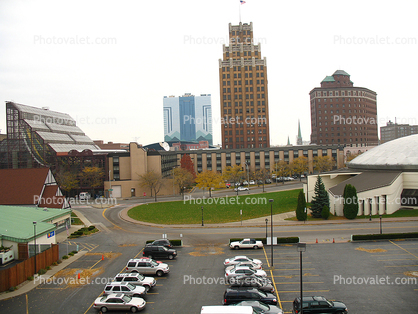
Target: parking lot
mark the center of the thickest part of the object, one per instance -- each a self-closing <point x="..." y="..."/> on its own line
<point x="377" y="276"/>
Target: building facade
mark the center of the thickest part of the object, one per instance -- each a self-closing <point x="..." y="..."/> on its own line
<point x="393" y="131"/>
<point x="243" y="91"/>
<point x="342" y="113"/>
<point x="188" y="118"/>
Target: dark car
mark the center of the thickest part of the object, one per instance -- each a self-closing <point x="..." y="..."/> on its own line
<point x="158" y="251"/>
<point x="162" y="242"/>
<point x="319" y="305"/>
<point x="238" y="294"/>
<point x="258" y="282"/>
<point x="261" y="307"/>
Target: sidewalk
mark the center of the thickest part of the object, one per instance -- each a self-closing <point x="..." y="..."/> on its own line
<point x="27" y="286"/>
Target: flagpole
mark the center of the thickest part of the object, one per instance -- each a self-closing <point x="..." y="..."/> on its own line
<point x="240" y="12"/>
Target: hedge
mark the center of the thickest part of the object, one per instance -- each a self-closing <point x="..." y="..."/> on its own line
<point x="387" y="236"/>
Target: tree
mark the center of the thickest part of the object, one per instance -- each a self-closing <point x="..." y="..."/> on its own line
<point x="187" y="163"/>
<point x="350" y="208"/>
<point x="208" y="179"/>
<point x="320" y="199"/>
<point x="282" y="169"/>
<point x="350" y="157"/>
<point x="300" y="166"/>
<point x="325" y="212"/>
<point x="301" y="215"/>
<point x="262" y="175"/>
<point x="323" y="163"/>
<point x="233" y="174"/>
<point x="67" y="181"/>
<point x="92" y="177"/>
<point x="153" y="181"/>
<point x="182" y="178"/>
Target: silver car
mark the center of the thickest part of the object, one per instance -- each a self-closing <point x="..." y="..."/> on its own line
<point x="125" y="288"/>
<point x="241" y="258"/>
<point x="246" y="263"/>
<point x="118" y="301"/>
<point x="136" y="279"/>
<point x="243" y="271"/>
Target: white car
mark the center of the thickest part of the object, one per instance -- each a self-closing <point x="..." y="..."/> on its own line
<point x="246" y="263"/>
<point x="241" y="258"/>
<point x="118" y="301"/>
<point x="241" y="188"/>
<point x="252" y="182"/>
<point x="246" y="244"/>
<point x="243" y="271"/>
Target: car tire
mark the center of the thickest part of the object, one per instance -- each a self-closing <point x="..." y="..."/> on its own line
<point x="236" y="247"/>
<point x="147" y="287"/>
<point x="160" y="273"/>
<point x="170" y="256"/>
<point x="134" y="309"/>
<point x="103" y="309"/>
<point x="255" y="247"/>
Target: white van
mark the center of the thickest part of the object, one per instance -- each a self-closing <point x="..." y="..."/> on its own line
<point x="223" y="309"/>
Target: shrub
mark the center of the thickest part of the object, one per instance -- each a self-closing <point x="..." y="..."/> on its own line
<point x="325" y="212"/>
<point x="91" y="227"/>
<point x="65" y="257"/>
<point x="30" y="278"/>
<point x="176" y="242"/>
<point x="48" y="267"/>
<point x="42" y="271"/>
<point x="54" y="264"/>
<point x="71" y="254"/>
<point x="74" y="252"/>
<point x="350" y="208"/>
<point x="386" y="236"/>
<point x="301" y="215"/>
<point x="59" y="261"/>
<point x="12" y="289"/>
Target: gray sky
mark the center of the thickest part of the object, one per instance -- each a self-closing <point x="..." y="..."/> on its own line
<point x="109" y="64"/>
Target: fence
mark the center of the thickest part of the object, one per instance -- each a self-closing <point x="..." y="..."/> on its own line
<point x="13" y="276"/>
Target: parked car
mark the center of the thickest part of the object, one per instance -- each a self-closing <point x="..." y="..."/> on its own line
<point x="252" y="182"/>
<point x="261" y="307"/>
<point x="245" y="263"/>
<point x="268" y="181"/>
<point x="258" y="282"/>
<point x="136" y="279"/>
<point x="241" y="258"/>
<point x="158" y="251"/>
<point x="245" y="183"/>
<point x="246" y="244"/>
<point x="319" y="305"/>
<point x="118" y="301"/>
<point x="162" y="242"/>
<point x="243" y="271"/>
<point x="147" y="266"/>
<point x="241" y="188"/>
<point x="125" y="288"/>
<point x="84" y="196"/>
<point x="236" y="295"/>
<point x="220" y="309"/>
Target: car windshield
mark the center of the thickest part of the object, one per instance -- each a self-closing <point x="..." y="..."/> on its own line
<point x="126" y="298"/>
<point x="130" y="286"/>
<point x="141" y="277"/>
<point x="263" y="307"/>
<point x="262" y="293"/>
<point x="165" y="249"/>
<point x="154" y="263"/>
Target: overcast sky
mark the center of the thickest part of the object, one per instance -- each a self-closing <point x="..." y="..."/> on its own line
<point x="108" y="64"/>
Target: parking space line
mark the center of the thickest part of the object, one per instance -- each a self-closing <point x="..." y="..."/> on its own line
<point x="402" y="266"/>
<point x="395" y="259"/>
<point x="272" y="279"/>
<point x="294" y="269"/>
<point x="310" y="291"/>
<point x="403" y="249"/>
<point x="298" y="283"/>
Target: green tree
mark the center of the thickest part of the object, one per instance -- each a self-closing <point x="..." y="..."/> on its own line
<point x="208" y="179"/>
<point x="301" y="215"/>
<point x="325" y="212"/>
<point x="67" y="181"/>
<point x="320" y="199"/>
<point x="92" y="177"/>
<point x="350" y="208"/>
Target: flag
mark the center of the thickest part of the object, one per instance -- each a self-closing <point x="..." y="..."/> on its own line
<point x="242" y="1"/>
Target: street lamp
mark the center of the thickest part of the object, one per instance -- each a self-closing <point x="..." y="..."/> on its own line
<point x="202" y="216"/>
<point x="266" y="228"/>
<point x="380" y="216"/>
<point x="34" y="239"/>
<point x="301" y="248"/>
<point x="271" y="231"/>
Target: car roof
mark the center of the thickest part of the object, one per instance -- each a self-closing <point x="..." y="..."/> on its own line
<point x="231" y="289"/>
<point x="117" y="283"/>
<point x="113" y="295"/>
<point x="127" y="274"/>
<point x="140" y="259"/>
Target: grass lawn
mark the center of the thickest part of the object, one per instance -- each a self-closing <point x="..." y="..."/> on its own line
<point x="75" y="220"/>
<point x="216" y="210"/>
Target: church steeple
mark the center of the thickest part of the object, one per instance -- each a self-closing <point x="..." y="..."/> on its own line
<point x="299" y="140"/>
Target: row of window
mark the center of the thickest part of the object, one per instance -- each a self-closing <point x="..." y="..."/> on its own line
<point x="248" y="103"/>
<point x="238" y="54"/>
<point x="246" y="68"/>
<point x="239" y="89"/>
<point x="343" y="93"/>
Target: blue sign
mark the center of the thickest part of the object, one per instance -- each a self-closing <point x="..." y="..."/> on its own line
<point x="50" y="234"/>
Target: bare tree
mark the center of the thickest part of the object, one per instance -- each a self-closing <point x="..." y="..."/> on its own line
<point x="153" y="181"/>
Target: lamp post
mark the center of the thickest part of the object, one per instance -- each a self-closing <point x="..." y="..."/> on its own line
<point x="34" y="240"/>
<point x="301" y="248"/>
<point x="271" y="231"/>
<point x="380" y="216"/>
<point x="202" y="217"/>
<point x="266" y="228"/>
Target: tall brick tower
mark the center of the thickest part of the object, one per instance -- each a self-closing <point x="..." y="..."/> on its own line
<point x="243" y="90"/>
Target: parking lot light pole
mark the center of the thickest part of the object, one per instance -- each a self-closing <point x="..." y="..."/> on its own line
<point x="266" y="228"/>
<point x="301" y="248"/>
<point x="202" y="216"/>
<point x="34" y="240"/>
<point x="380" y="216"/>
<point x="271" y="231"/>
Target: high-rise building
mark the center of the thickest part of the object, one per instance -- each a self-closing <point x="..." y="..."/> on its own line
<point x="188" y="118"/>
<point x="243" y="90"/>
<point x="342" y="113"/>
<point x="394" y="130"/>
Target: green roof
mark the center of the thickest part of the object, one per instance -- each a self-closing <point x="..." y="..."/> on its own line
<point x="16" y="222"/>
<point x="328" y="79"/>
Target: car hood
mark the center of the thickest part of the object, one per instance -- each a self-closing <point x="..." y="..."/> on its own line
<point x="339" y="304"/>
